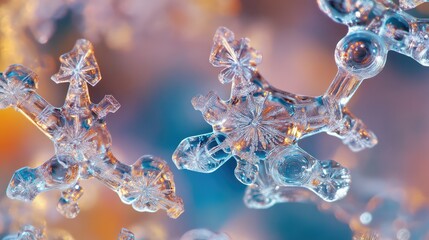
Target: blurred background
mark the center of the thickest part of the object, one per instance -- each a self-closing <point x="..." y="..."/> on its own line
<point x="153" y="57"/>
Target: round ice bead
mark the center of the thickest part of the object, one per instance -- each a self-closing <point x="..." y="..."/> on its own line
<point x="361" y="53"/>
<point x="291" y="169"/>
<point x="60" y="169"/>
<point x="339" y="10"/>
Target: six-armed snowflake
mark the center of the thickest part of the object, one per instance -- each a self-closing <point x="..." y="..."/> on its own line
<point x="260" y="126"/>
<point x="82" y="141"/>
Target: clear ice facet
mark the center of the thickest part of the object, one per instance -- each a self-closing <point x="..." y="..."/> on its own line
<point x="376" y="27"/>
<point x="203" y="153"/>
<point x="150" y="187"/>
<point x="16" y="84"/>
<point x="79" y="65"/>
<point x="235" y="56"/>
<point x="260" y="125"/>
<point x="82" y="141"/>
<point x="25" y="185"/>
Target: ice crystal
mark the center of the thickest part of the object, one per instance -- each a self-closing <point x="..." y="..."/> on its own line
<point x="260" y="126"/>
<point x="375" y="28"/>
<point x="82" y="141"/>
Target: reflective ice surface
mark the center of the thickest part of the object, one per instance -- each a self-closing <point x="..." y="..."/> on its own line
<point x="381" y="26"/>
<point x="259" y="126"/>
<point x="82" y="141"/>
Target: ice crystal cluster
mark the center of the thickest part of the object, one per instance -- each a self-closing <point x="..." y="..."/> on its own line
<point x="195" y="234"/>
<point x="260" y="126"/>
<point x="82" y="141"/>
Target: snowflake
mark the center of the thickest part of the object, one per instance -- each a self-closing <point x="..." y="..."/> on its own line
<point x="238" y="59"/>
<point x="82" y="141"/>
<point x="259" y="126"/>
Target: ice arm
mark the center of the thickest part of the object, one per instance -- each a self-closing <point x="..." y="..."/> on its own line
<point x="47" y="118"/>
<point x="343" y="87"/>
<point x="359" y="55"/>
<point x="264" y="193"/>
<point x="353" y="132"/>
<point x="59" y="172"/>
<point x="147" y="185"/>
<point x="211" y="106"/>
<point x="203" y="153"/>
<point x="287" y="176"/>
<point x="329" y="116"/>
<point x="78" y="67"/>
<point x="107" y="105"/>
<point x="17" y="89"/>
<point x="316" y="114"/>
<point x="293" y="167"/>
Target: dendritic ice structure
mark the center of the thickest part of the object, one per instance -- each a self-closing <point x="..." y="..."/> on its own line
<point x="194" y="234"/>
<point x="82" y="141"/>
<point x="376" y="27"/>
<point x="259" y="126"/>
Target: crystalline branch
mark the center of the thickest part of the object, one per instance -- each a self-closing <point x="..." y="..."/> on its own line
<point x="82" y="141"/>
<point x="376" y="27"/>
<point x="259" y="126"/>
